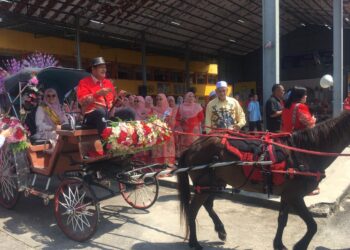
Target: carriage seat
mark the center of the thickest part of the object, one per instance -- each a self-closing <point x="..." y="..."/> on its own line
<point x="38" y="141"/>
<point x="39" y="145"/>
<point x="77" y="127"/>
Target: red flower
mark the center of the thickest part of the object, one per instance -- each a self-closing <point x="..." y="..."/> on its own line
<point x="166" y="137"/>
<point x="147" y="129"/>
<point x="106" y="133"/>
<point x="159" y="139"/>
<point x="109" y="146"/>
<point x="6" y="120"/>
<point x="18" y="134"/>
<point x="134" y="138"/>
<point x="122" y="137"/>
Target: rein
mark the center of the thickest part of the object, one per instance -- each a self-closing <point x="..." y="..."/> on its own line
<point x="268" y="141"/>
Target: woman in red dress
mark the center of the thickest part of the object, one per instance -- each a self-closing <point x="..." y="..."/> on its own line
<point x="346" y="105"/>
<point x="188" y="119"/>
<point x="296" y="114"/>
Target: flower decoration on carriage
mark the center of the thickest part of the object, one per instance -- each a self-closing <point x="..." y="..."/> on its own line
<point x="40" y="60"/>
<point x="131" y="137"/>
<point x="31" y="94"/>
<point x="14" y="132"/>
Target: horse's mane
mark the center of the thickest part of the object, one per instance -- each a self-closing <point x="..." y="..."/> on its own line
<point x="331" y="135"/>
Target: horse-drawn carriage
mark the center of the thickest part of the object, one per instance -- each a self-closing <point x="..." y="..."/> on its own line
<point x="32" y="171"/>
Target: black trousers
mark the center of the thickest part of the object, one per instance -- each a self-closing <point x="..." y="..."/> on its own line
<point x="253" y="125"/>
<point x="97" y="119"/>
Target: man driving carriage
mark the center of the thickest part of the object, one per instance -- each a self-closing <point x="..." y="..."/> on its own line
<point x="96" y="95"/>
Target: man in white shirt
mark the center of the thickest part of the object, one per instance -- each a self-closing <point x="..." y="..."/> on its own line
<point x="223" y="111"/>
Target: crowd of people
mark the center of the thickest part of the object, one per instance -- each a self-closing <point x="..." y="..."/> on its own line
<point x="98" y="102"/>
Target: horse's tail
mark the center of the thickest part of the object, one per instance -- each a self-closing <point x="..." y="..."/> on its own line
<point x="183" y="187"/>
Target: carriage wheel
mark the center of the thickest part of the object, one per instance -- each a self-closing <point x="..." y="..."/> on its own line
<point x="138" y="193"/>
<point x="76" y="209"/>
<point x="9" y="193"/>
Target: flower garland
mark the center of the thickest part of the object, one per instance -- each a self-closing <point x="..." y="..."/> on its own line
<point x="14" y="132"/>
<point x="132" y="137"/>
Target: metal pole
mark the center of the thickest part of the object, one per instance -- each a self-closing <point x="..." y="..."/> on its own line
<point x="77" y="42"/>
<point x="221" y="67"/>
<point x="187" y="68"/>
<point x="338" y="57"/>
<point x="143" y="60"/>
<point x="271" y="46"/>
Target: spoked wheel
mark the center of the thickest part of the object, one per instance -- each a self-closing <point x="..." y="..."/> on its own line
<point x="9" y="193"/>
<point x="140" y="193"/>
<point x="76" y="209"/>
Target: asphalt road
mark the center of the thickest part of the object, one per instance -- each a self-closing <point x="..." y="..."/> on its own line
<point x="31" y="225"/>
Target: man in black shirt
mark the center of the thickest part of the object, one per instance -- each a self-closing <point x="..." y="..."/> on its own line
<point x="274" y="106"/>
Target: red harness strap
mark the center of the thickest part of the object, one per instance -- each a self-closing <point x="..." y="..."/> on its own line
<point x="230" y="148"/>
<point x="198" y="189"/>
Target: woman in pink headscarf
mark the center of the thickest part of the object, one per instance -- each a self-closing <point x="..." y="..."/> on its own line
<point x="149" y="104"/>
<point x="172" y="105"/>
<point x="139" y="107"/>
<point x="164" y="153"/>
<point x="188" y="119"/>
<point x="49" y="117"/>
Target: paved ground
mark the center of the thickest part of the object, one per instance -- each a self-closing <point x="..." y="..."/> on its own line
<point x="250" y="226"/>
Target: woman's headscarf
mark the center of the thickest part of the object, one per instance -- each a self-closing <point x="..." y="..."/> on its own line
<point x="131" y="101"/>
<point x="189" y="108"/>
<point x="56" y="106"/>
<point x="179" y="100"/>
<point x="149" y="104"/>
<point x="140" y="109"/>
<point x="161" y="106"/>
<point x="171" y="98"/>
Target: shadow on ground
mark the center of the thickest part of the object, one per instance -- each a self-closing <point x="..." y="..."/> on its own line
<point x="179" y="245"/>
<point x="34" y="224"/>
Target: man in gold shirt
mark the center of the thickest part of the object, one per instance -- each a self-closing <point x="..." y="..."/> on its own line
<point x="224" y="111"/>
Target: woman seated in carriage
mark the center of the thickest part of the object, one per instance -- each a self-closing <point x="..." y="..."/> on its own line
<point x="49" y="117"/>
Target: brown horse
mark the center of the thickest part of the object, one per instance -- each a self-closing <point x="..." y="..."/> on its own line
<point x="330" y="136"/>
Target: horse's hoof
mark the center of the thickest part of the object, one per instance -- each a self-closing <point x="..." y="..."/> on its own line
<point x="222" y="236"/>
<point x="299" y="247"/>
<point x="282" y="247"/>
<point x="195" y="245"/>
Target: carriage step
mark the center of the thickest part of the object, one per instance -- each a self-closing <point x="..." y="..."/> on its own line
<point x="44" y="195"/>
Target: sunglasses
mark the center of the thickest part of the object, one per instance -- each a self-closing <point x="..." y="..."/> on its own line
<point x="49" y="96"/>
<point x="136" y="101"/>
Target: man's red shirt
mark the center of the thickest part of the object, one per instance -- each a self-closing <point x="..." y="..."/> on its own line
<point x="88" y="86"/>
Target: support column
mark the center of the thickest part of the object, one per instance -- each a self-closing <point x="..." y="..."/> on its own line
<point x="187" y="68"/>
<point x="221" y="68"/>
<point x="77" y="42"/>
<point x="338" y="87"/>
<point x="143" y="61"/>
<point x="270" y="46"/>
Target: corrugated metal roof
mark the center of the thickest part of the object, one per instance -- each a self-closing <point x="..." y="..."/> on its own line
<point x="207" y="26"/>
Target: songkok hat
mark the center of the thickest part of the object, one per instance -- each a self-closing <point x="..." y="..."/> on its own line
<point x="221" y="84"/>
<point x="97" y="61"/>
<point x="213" y="93"/>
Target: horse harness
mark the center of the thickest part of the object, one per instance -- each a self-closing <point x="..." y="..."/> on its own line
<point x="257" y="150"/>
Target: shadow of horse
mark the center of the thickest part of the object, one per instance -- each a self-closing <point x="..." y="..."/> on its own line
<point x="178" y="245"/>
